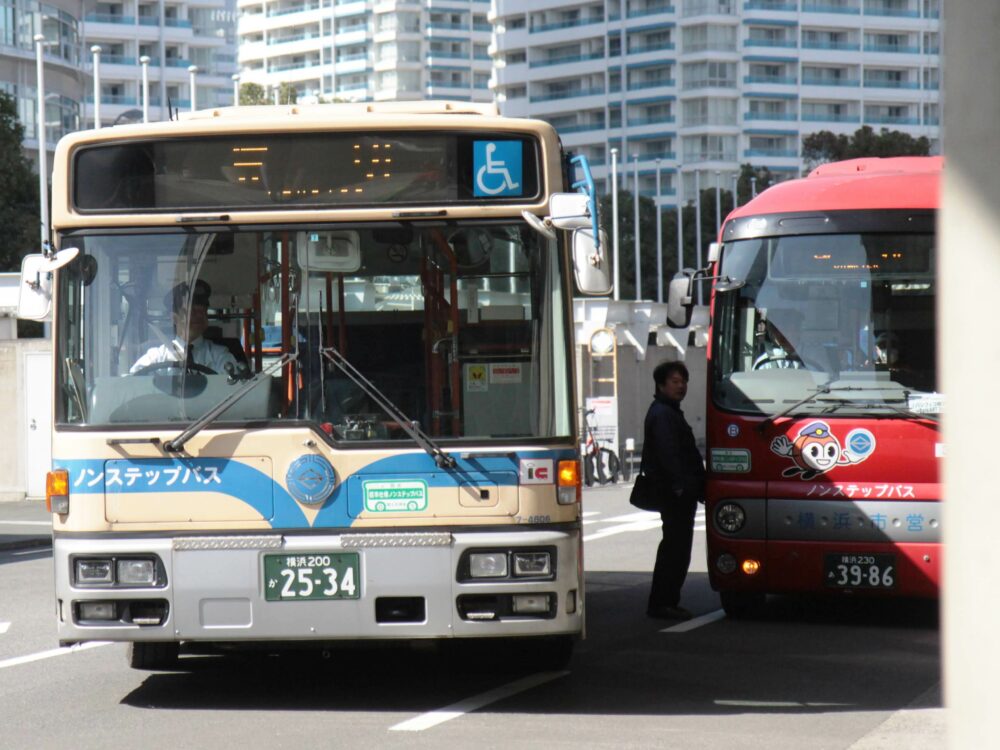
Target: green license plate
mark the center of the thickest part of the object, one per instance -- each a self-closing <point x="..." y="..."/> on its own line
<point x="311" y="575"/>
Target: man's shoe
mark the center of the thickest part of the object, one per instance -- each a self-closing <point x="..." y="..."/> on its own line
<point x="669" y="613"/>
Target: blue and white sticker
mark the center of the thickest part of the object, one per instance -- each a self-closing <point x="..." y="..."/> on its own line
<point x="310" y="479"/>
<point x="860" y="442"/>
<point x="497" y="168"/>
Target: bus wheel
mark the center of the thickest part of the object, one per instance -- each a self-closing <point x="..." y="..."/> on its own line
<point x="153" y="654"/>
<point x="740" y="605"/>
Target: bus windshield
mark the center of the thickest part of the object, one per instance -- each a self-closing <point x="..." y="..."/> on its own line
<point x="462" y="327"/>
<point x="843" y="323"/>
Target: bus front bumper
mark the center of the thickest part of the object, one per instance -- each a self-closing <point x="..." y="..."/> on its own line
<point x="285" y="587"/>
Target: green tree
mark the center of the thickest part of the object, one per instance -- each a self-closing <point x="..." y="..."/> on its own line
<point x="19" y="213"/>
<point x="287" y="94"/>
<point x="252" y="94"/>
<point x="824" y="146"/>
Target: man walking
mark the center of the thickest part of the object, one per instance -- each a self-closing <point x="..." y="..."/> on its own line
<point x="676" y="473"/>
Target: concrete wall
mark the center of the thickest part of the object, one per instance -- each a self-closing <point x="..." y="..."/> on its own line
<point x="13" y="458"/>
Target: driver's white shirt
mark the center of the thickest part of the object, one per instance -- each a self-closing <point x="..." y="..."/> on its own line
<point x="207" y="353"/>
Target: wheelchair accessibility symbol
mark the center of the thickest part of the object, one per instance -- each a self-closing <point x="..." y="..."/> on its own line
<point x="498" y="168"/>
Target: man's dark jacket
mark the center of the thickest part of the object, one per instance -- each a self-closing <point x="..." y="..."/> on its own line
<point x="670" y="457"/>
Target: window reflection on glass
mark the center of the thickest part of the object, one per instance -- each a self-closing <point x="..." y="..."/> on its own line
<point x="854" y="312"/>
<point x="463" y="328"/>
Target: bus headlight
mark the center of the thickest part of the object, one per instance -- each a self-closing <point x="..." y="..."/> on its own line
<point x="730" y="517"/>
<point x="488" y="565"/>
<point x="532" y="564"/>
<point x="136" y="572"/>
<point x="93" y="571"/>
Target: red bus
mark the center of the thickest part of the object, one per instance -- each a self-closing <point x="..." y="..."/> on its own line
<point x="822" y="426"/>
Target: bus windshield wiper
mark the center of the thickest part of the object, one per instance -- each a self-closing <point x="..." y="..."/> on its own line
<point x="175" y="445"/>
<point x="823" y="389"/>
<point x="828" y="388"/>
<point x="410" y="427"/>
<point x="870" y="404"/>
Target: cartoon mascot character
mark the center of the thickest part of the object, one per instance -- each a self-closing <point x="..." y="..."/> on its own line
<point x="815" y="451"/>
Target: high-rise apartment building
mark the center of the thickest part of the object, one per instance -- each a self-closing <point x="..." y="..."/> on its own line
<point x="705" y="86"/>
<point x="365" y="50"/>
<point x="173" y="35"/>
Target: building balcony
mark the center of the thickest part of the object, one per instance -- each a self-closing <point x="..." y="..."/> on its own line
<point x="565" y="59"/>
<point x="570" y="94"/>
<point x="775" y="153"/>
<point x="811" y="7"/>
<point x="892" y="120"/>
<point x="901" y="49"/>
<point x="830" y="117"/>
<point x="813" y="81"/>
<point x="770" y="116"/>
<point x="542" y="28"/>
<point x="110" y="18"/>
<point x="771" y="80"/>
<point x="831" y="46"/>
<point x="890" y="84"/>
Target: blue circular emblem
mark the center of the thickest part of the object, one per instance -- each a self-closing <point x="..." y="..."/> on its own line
<point x="733" y="430"/>
<point x="860" y="442"/>
<point x="310" y="479"/>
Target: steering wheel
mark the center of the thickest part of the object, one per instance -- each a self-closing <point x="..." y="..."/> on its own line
<point x="771" y="362"/>
<point x="189" y="366"/>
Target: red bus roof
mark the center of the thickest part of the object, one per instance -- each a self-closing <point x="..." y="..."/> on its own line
<point x="871" y="183"/>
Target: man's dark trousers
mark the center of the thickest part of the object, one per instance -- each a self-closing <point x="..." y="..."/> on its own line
<point x="673" y="556"/>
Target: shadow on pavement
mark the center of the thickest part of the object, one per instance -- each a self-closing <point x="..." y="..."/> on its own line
<point x="800" y="655"/>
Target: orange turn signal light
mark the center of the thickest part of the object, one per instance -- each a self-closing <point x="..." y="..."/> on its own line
<point x="569" y="473"/>
<point x="57" y="491"/>
<point x="751" y="566"/>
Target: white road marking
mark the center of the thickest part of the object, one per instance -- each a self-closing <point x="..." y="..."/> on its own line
<point x="635" y="526"/>
<point x="17" y="660"/>
<point x="4" y="626"/>
<point x="441" y="715"/>
<point x="695" y="622"/>
<point x="778" y="704"/>
<point x="25" y="523"/>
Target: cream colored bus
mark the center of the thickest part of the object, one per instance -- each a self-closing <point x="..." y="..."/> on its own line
<point x="314" y="378"/>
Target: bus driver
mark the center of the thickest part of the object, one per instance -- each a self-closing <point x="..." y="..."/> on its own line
<point x="189" y="327"/>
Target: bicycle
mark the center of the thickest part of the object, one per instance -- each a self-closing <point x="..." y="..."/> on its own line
<point x="599" y="464"/>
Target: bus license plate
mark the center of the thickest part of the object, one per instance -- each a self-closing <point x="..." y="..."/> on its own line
<point x="860" y="571"/>
<point x="311" y="575"/>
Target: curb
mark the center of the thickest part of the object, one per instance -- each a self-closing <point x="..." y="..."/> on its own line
<point x="29" y="543"/>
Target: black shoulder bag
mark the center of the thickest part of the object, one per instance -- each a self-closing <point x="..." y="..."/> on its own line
<point x="644" y="495"/>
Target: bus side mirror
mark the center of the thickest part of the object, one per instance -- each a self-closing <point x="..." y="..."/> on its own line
<point x="35" y="299"/>
<point x="590" y="263"/>
<point x="679" y="301"/>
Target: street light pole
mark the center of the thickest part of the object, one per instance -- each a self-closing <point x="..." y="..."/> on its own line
<point x="43" y="157"/>
<point x="753" y="187"/>
<point x="680" y="221"/>
<point x="736" y="185"/>
<point x="659" y="238"/>
<point x="614" y="217"/>
<point x="96" y="49"/>
<point x="697" y="225"/>
<point x="144" y="60"/>
<point x="192" y="71"/>
<point x="236" y="89"/>
<point x="718" y="202"/>
<point x="635" y="212"/>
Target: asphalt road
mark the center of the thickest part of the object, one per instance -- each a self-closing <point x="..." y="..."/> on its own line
<point x="835" y="675"/>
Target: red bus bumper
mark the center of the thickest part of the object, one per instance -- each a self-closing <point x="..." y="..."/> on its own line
<point x="895" y="569"/>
